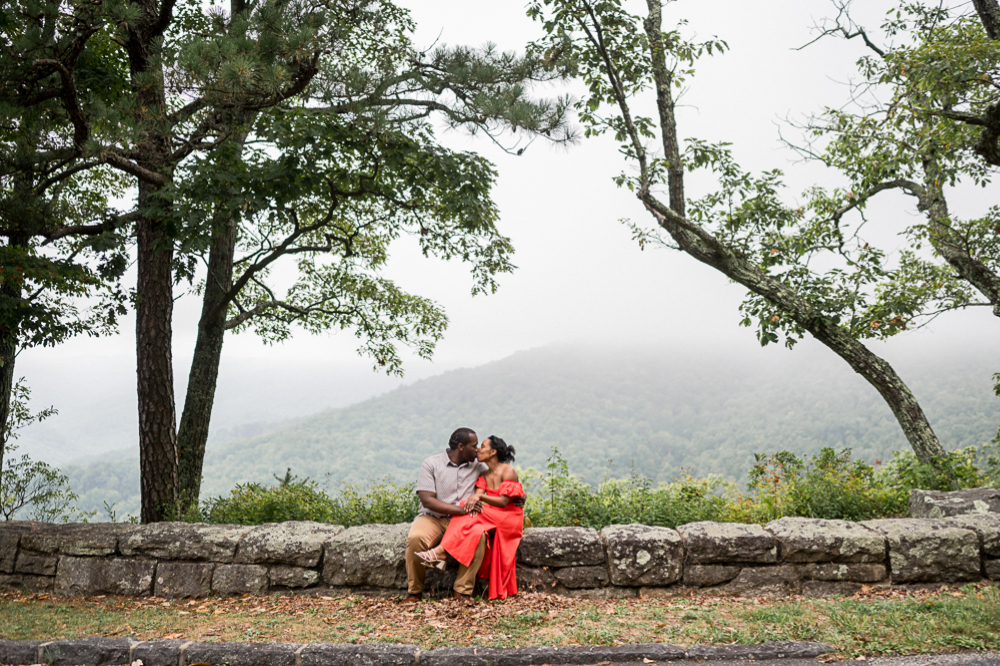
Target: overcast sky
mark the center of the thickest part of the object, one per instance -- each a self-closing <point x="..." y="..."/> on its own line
<point x="579" y="277"/>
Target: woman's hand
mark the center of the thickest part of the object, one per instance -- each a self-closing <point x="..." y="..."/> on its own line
<point x="471" y="504"/>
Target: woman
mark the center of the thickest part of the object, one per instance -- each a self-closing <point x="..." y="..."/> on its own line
<point x="502" y="517"/>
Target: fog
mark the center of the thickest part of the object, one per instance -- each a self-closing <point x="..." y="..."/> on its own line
<point x="580" y="277"/>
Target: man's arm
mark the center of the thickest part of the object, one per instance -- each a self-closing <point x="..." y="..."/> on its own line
<point x="432" y="503"/>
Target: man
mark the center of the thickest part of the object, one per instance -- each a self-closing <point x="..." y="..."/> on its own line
<point x="445" y="480"/>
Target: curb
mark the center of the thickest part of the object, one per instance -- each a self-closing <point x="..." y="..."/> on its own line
<point x="112" y="651"/>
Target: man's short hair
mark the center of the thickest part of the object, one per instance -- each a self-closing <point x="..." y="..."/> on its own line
<point x="460" y="436"/>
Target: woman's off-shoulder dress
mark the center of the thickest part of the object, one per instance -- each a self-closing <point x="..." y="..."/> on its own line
<point x="503" y="527"/>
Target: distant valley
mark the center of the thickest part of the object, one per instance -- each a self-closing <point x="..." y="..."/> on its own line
<point x="608" y="412"/>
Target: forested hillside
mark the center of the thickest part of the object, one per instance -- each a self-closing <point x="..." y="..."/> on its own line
<point x="607" y="413"/>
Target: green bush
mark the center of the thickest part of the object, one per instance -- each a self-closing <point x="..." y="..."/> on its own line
<point x="557" y="498"/>
<point x="829" y="485"/>
<point x="302" y="499"/>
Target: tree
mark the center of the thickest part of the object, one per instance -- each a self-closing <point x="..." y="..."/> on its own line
<point x="179" y="97"/>
<point x="743" y="229"/>
<point x="937" y="128"/>
<point x="45" y="269"/>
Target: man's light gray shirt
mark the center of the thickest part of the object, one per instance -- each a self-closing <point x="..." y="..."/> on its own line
<point x="449" y="482"/>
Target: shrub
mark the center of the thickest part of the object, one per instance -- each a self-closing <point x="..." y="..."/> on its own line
<point x="829" y="485"/>
<point x="557" y="498"/>
<point x="33" y="490"/>
<point x="293" y="498"/>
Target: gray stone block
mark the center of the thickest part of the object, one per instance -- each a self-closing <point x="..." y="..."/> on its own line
<point x="77" y="539"/>
<point x="237" y="579"/>
<point x="36" y="563"/>
<point x="87" y="652"/>
<point x="535" y="578"/>
<point x="561" y="547"/>
<point x="929" y="551"/>
<point x="832" y="571"/>
<point x="769" y="650"/>
<point x="295" y="543"/>
<point x="992" y="569"/>
<point x="26" y="583"/>
<point x="10" y="535"/>
<point x="183" y="579"/>
<point x="372" y="654"/>
<point x="707" y="575"/>
<point x="728" y="543"/>
<point x="775" y="581"/>
<point x="815" y="540"/>
<point x="937" y="504"/>
<point x="93" y="575"/>
<point x="17" y="653"/>
<point x="158" y="653"/>
<point x="367" y="555"/>
<point x="282" y="576"/>
<point x="543" y="654"/>
<point x="184" y="541"/>
<point x="577" y="577"/>
<point x="241" y="654"/>
<point x="987" y="526"/>
<point x="639" y="555"/>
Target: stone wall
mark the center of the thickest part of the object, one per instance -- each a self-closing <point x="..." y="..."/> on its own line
<point x="787" y="556"/>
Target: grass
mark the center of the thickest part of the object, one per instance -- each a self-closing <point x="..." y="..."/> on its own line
<point x="878" y="622"/>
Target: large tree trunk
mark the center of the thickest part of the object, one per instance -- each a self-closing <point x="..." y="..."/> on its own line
<point x="192" y="436"/>
<point x="154" y="365"/>
<point x="8" y="350"/>
<point x="154" y="285"/>
<point x="705" y="247"/>
<point x="196" y="417"/>
<point x="11" y="292"/>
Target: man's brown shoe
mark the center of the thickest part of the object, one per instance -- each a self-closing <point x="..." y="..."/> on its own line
<point x="461" y="597"/>
<point x="411" y="599"/>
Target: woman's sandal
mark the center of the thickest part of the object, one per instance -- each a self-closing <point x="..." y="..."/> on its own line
<point x="429" y="559"/>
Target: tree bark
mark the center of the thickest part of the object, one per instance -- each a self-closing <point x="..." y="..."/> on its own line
<point x="192" y="435"/>
<point x="154" y="367"/>
<point x="8" y="350"/>
<point x="948" y="243"/>
<point x="154" y="285"/>
<point x="665" y="105"/>
<point x="989" y="14"/>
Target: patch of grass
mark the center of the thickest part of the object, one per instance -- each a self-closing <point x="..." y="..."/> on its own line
<point x="877" y="623"/>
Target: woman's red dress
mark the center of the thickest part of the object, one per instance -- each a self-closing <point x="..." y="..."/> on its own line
<point x="507" y="524"/>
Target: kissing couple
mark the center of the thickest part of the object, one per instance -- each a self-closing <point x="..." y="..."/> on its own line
<point x="472" y="508"/>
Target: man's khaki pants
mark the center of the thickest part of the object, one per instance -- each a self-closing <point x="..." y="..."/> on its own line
<point x="425" y="533"/>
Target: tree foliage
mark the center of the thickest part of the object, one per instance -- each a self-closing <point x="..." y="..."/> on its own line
<point x="807" y="266"/>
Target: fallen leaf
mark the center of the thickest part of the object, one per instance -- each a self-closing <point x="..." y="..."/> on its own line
<point x="647" y="661"/>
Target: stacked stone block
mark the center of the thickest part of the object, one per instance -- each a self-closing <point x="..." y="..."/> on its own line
<point x="787" y="556"/>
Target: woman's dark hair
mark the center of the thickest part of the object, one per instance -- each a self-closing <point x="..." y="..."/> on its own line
<point x="460" y="436"/>
<point x="505" y="454"/>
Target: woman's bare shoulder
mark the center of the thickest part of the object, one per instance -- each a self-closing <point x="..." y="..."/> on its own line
<point x="509" y="473"/>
